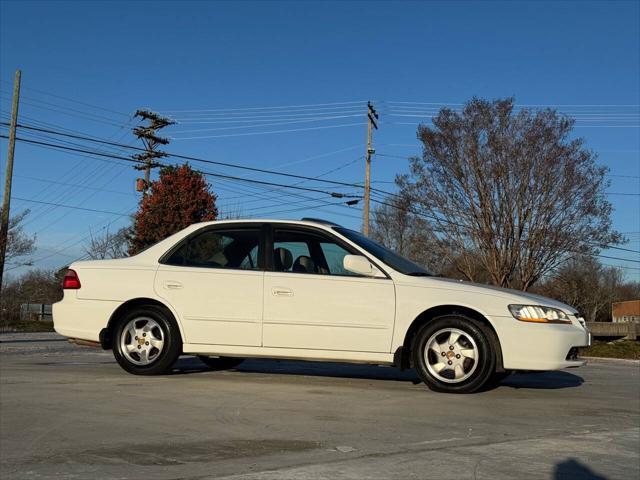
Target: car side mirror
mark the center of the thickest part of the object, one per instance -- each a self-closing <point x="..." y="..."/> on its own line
<point x="361" y="266"/>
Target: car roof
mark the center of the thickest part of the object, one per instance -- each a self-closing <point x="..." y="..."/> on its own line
<point x="304" y="221"/>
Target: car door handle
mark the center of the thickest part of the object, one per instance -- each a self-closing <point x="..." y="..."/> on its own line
<point x="282" y="292"/>
<point x="172" y="285"/>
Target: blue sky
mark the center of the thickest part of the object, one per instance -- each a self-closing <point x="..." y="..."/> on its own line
<point x="254" y="57"/>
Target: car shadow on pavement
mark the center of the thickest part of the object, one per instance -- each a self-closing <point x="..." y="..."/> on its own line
<point x="188" y="365"/>
<point x="543" y="380"/>
<point x="572" y="469"/>
<point x="540" y="380"/>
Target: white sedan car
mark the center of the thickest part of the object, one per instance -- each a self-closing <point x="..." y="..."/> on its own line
<point x="308" y="290"/>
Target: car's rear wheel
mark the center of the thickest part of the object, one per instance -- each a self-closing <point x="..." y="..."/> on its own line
<point x="147" y="341"/>
<point x="453" y="354"/>
<point x="220" y="363"/>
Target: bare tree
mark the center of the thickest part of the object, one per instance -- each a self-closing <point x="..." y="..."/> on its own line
<point x="35" y="286"/>
<point x="509" y="190"/>
<point x="109" y="245"/>
<point x="232" y="213"/>
<point x="19" y="244"/>
<point x="397" y="228"/>
<point x="591" y="287"/>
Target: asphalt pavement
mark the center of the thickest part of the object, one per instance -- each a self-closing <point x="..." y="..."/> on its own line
<point x="70" y="412"/>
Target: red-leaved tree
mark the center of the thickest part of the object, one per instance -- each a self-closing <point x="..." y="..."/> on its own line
<point x="180" y="197"/>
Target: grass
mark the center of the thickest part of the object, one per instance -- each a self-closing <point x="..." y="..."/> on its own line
<point x="628" y="349"/>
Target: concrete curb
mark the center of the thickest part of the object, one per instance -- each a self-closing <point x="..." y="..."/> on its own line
<point x="621" y="361"/>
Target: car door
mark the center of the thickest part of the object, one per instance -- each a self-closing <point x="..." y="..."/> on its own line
<point x="312" y="302"/>
<point x="214" y="281"/>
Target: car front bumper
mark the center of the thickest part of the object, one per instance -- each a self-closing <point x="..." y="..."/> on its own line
<point x="540" y="346"/>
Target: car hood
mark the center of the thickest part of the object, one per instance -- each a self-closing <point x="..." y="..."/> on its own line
<point x="510" y="295"/>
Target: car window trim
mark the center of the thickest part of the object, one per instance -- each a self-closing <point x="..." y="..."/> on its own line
<point x="259" y="227"/>
<point x="322" y="232"/>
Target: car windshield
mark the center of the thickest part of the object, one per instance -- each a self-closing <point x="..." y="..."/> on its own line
<point x="391" y="258"/>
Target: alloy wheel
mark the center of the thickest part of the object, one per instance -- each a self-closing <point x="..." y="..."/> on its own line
<point x="142" y="341"/>
<point x="451" y="355"/>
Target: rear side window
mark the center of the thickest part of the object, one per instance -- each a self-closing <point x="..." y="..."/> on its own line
<point x="236" y="249"/>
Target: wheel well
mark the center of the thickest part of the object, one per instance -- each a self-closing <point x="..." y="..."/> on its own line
<point x="106" y="334"/>
<point x="428" y="315"/>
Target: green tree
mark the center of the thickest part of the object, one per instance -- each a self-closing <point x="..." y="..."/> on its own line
<point x="179" y="198"/>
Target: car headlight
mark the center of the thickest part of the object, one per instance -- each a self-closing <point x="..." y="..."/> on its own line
<point x="538" y="314"/>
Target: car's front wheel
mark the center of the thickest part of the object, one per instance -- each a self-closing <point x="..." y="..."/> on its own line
<point x="453" y="354"/>
<point x="147" y="341"/>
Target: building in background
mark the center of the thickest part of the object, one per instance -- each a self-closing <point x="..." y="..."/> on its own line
<point x="623" y="312"/>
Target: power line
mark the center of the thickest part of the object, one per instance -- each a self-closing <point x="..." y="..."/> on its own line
<point x="64" y="107"/>
<point x="77" y="242"/>
<point x="218" y="175"/>
<point x="86" y="199"/>
<point x="284" y="193"/>
<point x="65" y="194"/>
<point x="268" y="108"/>
<point x="278" y="197"/>
<point x="36" y="179"/>
<point x="233" y="118"/>
<point x="240" y="178"/>
<point x="73" y="100"/>
<point x="186" y="157"/>
<point x="526" y="105"/>
<point x="227" y="135"/>
<point x="312" y="120"/>
<point x="67" y="206"/>
<point x="424" y="215"/>
<point x="225" y="164"/>
<point x="85" y="116"/>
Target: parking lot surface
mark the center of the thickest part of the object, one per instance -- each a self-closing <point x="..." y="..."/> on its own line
<point x="71" y="412"/>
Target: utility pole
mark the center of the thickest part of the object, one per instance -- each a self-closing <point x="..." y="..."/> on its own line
<point x="372" y="116"/>
<point x="6" y="198"/>
<point x="151" y="141"/>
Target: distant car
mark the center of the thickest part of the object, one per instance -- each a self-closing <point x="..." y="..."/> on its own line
<point x="308" y="290"/>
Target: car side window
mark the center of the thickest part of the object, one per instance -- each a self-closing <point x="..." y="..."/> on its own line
<point x="334" y="255"/>
<point x="250" y="262"/>
<point x="299" y="251"/>
<point x="235" y="249"/>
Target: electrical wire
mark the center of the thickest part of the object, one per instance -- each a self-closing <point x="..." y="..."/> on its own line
<point x="67" y="206"/>
<point x="312" y="120"/>
<point x="269" y="107"/>
<point x="228" y="135"/>
<point x="218" y="175"/>
<point x="197" y="159"/>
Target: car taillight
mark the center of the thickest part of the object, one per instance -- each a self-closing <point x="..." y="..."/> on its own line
<point x="71" y="280"/>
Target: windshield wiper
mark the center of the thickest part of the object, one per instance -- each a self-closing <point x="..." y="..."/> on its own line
<point x="419" y="274"/>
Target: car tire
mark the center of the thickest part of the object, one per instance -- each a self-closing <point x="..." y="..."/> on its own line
<point x="220" y="363"/>
<point x="453" y="354"/>
<point x="147" y="341"/>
